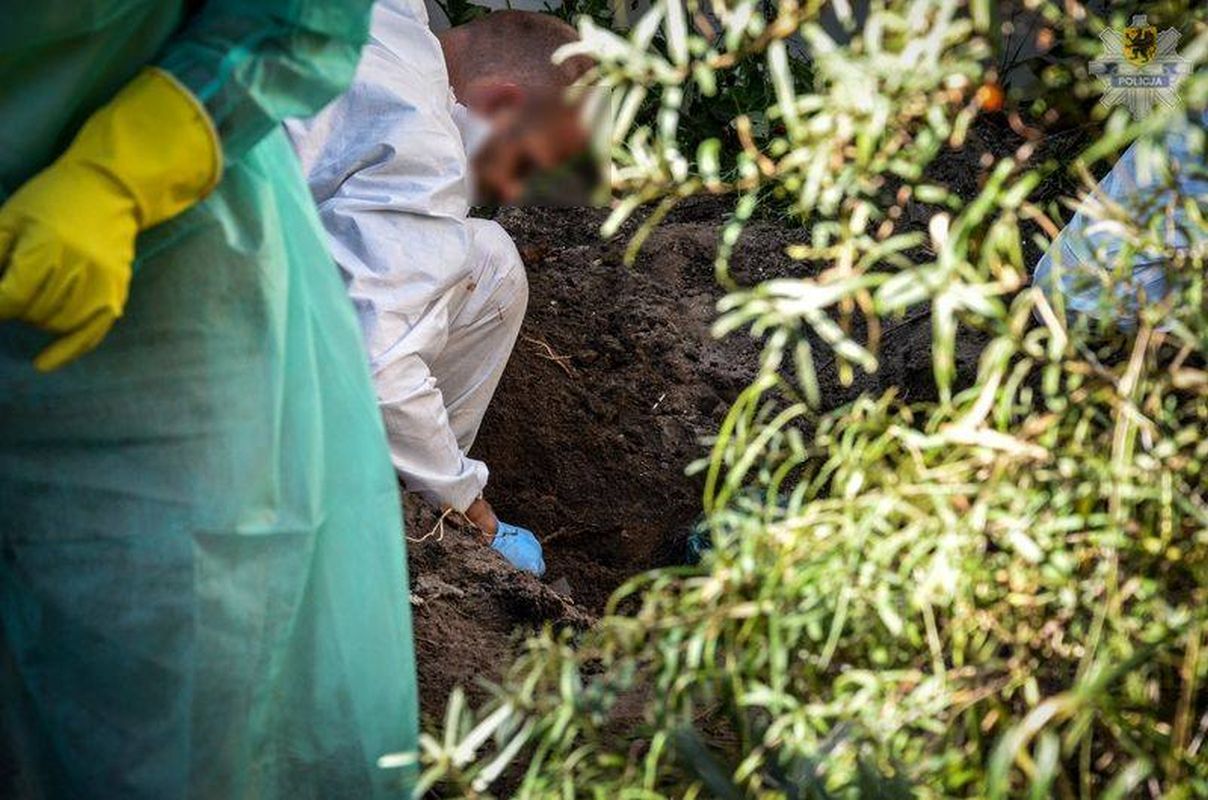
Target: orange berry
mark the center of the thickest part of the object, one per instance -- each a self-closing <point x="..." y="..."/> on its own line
<point x="989" y="97"/>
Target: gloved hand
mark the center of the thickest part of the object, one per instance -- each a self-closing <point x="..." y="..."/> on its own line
<point x="67" y="235"/>
<point x="519" y="547"/>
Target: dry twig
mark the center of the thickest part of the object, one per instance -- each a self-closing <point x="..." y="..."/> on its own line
<point x="550" y="355"/>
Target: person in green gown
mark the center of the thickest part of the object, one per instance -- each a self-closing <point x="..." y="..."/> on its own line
<point x="203" y="586"/>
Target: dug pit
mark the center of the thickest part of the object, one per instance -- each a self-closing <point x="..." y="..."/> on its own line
<point x="613" y="385"/>
<point x="612" y="390"/>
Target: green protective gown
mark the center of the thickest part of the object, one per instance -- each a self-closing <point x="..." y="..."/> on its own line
<point x="202" y="575"/>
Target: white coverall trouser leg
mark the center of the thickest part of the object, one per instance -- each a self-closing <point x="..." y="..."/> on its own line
<point x="485" y="317"/>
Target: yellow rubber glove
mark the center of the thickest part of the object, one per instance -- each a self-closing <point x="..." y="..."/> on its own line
<point x="67" y="235"/>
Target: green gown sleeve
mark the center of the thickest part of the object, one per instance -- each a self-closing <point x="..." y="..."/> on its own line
<point x="255" y="62"/>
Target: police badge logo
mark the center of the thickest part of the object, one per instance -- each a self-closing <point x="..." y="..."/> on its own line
<point x="1140" y="66"/>
<point x="1140" y="42"/>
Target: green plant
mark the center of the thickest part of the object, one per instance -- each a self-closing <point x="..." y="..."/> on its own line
<point x="605" y="13"/>
<point x="459" y="12"/>
<point x="1002" y="591"/>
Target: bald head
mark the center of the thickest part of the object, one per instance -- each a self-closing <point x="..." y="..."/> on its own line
<point x="514" y="47"/>
<point x="501" y="67"/>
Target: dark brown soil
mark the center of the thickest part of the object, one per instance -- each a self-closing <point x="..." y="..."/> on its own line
<point x="612" y="390"/>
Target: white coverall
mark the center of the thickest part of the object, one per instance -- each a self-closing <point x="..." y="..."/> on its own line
<point x="1085" y="247"/>
<point x="440" y="296"/>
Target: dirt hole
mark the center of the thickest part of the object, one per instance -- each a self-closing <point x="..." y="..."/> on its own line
<point x="611" y="388"/>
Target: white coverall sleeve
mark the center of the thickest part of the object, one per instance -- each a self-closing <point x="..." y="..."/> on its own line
<point x="388" y="169"/>
<point x="406" y="326"/>
<point x="422" y="444"/>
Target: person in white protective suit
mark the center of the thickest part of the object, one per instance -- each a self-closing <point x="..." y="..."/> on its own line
<point x="429" y="126"/>
<point x="1079" y="261"/>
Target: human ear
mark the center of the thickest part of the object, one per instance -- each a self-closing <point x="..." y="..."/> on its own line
<point x="498" y="96"/>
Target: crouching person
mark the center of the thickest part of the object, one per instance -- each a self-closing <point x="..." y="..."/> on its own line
<point x="429" y="126"/>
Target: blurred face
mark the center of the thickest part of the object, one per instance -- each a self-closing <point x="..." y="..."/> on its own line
<point x="525" y="139"/>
